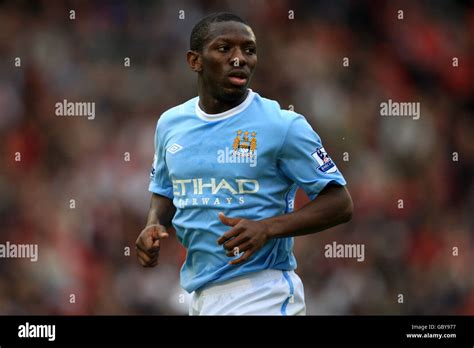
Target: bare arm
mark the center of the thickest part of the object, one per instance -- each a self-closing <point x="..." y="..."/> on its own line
<point x="161" y="211"/>
<point x="160" y="214"/>
<point x="333" y="206"/>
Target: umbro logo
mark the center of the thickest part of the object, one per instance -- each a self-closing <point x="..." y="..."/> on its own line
<point x="174" y="148"/>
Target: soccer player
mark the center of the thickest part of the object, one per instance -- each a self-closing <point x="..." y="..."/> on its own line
<point x="226" y="167"/>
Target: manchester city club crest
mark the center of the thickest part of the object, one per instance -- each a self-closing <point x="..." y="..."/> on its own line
<point x="243" y="145"/>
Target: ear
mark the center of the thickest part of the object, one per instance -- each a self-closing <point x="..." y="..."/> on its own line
<point x="194" y="61"/>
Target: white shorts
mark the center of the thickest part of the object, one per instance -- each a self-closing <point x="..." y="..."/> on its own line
<point x="267" y="292"/>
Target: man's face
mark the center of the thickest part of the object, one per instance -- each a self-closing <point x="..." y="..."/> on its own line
<point x="229" y="57"/>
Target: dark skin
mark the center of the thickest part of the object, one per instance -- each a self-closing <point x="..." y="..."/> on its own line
<point x="225" y="66"/>
<point x="160" y="214"/>
<point x="230" y="48"/>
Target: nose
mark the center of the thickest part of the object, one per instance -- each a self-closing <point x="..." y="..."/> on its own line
<point x="238" y="58"/>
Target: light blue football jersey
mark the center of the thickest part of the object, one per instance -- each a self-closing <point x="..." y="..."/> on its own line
<point x="246" y="162"/>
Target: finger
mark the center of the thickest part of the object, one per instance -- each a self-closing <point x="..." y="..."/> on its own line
<point x="143" y="256"/>
<point x="149" y="236"/>
<point x="150" y="264"/>
<point x="146" y="258"/>
<point x="228" y="220"/>
<point x="152" y="250"/>
<point x="153" y="263"/>
<point x="144" y="242"/>
<point x="235" y="251"/>
<point x="242" y="258"/>
<point x="232" y="233"/>
<point x="155" y="245"/>
<point x="235" y="242"/>
<point x="156" y="231"/>
<point x="159" y="232"/>
<point x="147" y="265"/>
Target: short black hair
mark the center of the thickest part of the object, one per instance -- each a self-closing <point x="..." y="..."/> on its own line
<point x="201" y="29"/>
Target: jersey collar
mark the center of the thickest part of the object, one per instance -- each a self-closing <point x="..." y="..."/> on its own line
<point x="226" y="114"/>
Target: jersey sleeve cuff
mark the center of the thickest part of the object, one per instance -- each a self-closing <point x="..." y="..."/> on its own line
<point x="321" y="185"/>
<point x="161" y="191"/>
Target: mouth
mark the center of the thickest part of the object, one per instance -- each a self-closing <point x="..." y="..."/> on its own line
<point x="238" y="78"/>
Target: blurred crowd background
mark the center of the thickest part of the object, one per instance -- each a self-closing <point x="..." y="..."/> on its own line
<point x="83" y="251"/>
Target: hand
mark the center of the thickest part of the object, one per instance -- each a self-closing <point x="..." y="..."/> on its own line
<point x="148" y="244"/>
<point x="245" y="236"/>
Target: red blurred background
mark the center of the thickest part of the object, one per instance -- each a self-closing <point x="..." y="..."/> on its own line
<point x="82" y="251"/>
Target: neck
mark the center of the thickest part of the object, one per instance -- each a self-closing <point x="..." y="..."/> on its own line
<point x="212" y="105"/>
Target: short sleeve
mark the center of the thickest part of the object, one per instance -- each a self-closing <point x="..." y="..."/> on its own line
<point x="159" y="177"/>
<point x="304" y="160"/>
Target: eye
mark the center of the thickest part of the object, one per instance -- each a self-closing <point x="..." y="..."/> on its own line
<point x="251" y="50"/>
<point x="223" y="48"/>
